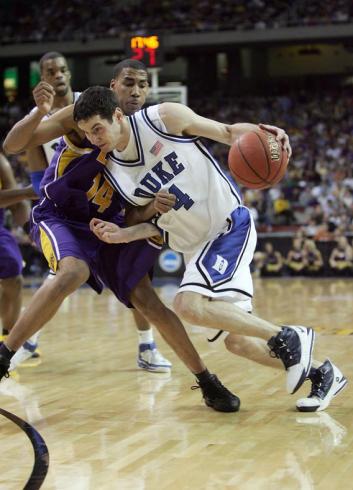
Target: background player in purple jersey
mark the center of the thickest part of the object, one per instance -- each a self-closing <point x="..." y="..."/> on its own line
<point x="10" y="255"/>
<point x="130" y="83"/>
<point x="54" y="71"/>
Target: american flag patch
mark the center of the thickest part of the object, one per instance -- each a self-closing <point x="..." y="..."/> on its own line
<point x="156" y="148"/>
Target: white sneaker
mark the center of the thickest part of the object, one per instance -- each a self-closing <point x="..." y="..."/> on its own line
<point x="294" y="346"/>
<point x="150" y="359"/>
<point x="327" y="381"/>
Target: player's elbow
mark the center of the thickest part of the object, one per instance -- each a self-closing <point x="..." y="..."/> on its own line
<point x="10" y="148"/>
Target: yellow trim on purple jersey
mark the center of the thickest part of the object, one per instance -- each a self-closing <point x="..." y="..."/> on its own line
<point x="48" y="250"/>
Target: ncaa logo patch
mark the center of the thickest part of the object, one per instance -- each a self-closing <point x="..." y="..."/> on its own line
<point x="170" y="261"/>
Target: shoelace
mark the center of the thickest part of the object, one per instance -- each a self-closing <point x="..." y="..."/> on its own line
<point x="317" y="382"/>
<point x="215" y="387"/>
<point x="280" y="350"/>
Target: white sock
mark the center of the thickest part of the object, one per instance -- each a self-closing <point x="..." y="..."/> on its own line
<point x="145" y="336"/>
<point x="34" y="339"/>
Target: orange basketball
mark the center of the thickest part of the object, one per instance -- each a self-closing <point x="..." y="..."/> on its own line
<point x="257" y="160"/>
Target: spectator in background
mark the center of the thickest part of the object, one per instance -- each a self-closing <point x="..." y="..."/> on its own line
<point x="313" y="258"/>
<point x="341" y="258"/>
<point x="296" y="258"/>
<point x="282" y="212"/>
<point x="270" y="262"/>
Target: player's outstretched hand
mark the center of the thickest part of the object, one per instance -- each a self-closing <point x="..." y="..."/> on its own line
<point x="43" y="95"/>
<point x="109" y="232"/>
<point x="164" y="202"/>
<point x="281" y="135"/>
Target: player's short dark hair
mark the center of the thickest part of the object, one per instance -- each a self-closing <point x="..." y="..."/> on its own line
<point x="51" y="55"/>
<point x="128" y="63"/>
<point x="95" y="101"/>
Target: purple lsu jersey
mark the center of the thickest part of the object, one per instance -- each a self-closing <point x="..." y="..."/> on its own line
<point x="75" y="186"/>
<point x="73" y="191"/>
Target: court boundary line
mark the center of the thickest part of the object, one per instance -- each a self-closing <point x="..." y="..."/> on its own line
<point x="40" y="449"/>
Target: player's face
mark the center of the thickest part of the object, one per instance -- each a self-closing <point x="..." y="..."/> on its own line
<point x="101" y="132"/>
<point x="131" y="88"/>
<point x="56" y="72"/>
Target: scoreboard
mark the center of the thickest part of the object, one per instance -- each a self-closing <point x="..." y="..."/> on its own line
<point x="148" y="49"/>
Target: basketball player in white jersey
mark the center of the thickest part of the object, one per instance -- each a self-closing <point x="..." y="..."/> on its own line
<point x="55" y="72"/>
<point x="158" y="148"/>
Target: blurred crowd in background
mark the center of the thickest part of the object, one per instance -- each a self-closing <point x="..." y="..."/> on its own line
<point x="315" y="199"/>
<point x="24" y="21"/>
<point x="316" y="196"/>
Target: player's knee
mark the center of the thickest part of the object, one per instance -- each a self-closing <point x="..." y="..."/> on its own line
<point x="188" y="306"/>
<point x="69" y="279"/>
<point x="152" y="309"/>
<point x="146" y="301"/>
<point x="234" y="343"/>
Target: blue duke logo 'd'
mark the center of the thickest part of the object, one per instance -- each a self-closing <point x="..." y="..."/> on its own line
<point x="220" y="265"/>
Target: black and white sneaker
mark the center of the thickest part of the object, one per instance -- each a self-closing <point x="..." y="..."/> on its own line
<point x="218" y="396"/>
<point x="326" y="382"/>
<point x="294" y="346"/>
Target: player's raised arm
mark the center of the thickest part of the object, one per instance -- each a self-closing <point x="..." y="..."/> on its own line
<point x="31" y="131"/>
<point x="181" y="120"/>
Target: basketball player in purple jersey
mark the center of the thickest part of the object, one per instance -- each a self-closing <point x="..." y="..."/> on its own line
<point x="10" y="255"/>
<point x="54" y="71"/>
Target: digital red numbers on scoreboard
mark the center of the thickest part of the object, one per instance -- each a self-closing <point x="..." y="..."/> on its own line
<point x="147" y="49"/>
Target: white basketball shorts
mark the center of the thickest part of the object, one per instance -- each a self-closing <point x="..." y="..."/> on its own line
<point x="220" y="269"/>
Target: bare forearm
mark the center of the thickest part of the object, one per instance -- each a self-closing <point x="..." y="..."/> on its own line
<point x="238" y="129"/>
<point x="140" y="231"/>
<point x="9" y="197"/>
<point x="21" y="134"/>
<point x="140" y="214"/>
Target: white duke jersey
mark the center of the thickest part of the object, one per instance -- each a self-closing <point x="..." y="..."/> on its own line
<point x="155" y="160"/>
<point x="50" y="147"/>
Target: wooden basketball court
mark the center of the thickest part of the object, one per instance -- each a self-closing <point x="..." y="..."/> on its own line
<point x="109" y="425"/>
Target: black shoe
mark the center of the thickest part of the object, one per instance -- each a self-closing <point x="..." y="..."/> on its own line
<point x="294" y="346"/>
<point x="4" y="367"/>
<point x="217" y="396"/>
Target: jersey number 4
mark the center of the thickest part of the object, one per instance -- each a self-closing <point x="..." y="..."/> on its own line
<point x="182" y="199"/>
<point x="101" y="195"/>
